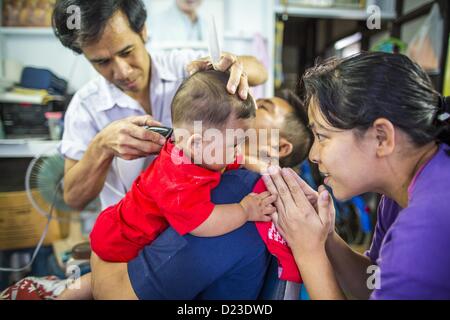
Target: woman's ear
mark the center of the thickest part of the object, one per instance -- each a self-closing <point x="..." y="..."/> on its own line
<point x="385" y="136"/>
<point x="285" y="148"/>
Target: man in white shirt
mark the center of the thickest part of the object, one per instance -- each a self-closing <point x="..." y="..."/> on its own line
<point x="103" y="139"/>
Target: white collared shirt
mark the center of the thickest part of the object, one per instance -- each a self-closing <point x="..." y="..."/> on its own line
<point x="99" y="103"/>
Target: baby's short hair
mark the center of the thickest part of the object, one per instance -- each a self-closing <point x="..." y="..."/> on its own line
<point x="204" y="97"/>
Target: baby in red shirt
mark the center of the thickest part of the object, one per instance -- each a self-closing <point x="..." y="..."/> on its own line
<point x="175" y="189"/>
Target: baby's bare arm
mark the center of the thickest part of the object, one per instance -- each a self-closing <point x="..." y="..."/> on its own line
<point x="228" y="217"/>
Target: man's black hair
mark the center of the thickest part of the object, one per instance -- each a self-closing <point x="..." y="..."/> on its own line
<point x="94" y="15"/>
<point x="295" y="130"/>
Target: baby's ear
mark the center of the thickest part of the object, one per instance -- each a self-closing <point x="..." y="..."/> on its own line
<point x="194" y="143"/>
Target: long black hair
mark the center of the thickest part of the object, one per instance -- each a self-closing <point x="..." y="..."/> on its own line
<point x="354" y="92"/>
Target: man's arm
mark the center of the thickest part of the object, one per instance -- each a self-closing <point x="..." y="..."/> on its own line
<point x="84" y="179"/>
<point x="256" y="72"/>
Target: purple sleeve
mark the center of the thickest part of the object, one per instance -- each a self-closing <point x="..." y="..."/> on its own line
<point x="413" y="262"/>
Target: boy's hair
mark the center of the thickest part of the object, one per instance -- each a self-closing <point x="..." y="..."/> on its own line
<point x="204" y="97"/>
<point x="295" y="130"/>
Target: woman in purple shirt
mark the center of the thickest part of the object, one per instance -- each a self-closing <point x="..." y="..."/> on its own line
<point x="380" y="127"/>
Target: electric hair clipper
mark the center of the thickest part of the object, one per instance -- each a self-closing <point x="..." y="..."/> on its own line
<point x="164" y="131"/>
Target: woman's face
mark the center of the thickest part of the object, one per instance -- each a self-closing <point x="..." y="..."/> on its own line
<point x="347" y="162"/>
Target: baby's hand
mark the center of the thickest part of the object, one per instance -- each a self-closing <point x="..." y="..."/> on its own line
<point x="258" y="207"/>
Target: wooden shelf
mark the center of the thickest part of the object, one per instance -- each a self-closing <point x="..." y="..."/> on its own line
<point x="238" y="36"/>
<point x="198" y="45"/>
<point x="171" y="45"/>
<point x="26" y="31"/>
<point x="330" y="12"/>
<point x="25" y="148"/>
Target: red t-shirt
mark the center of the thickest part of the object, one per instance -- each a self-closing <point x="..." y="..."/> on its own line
<point x="171" y="190"/>
<point x="277" y="246"/>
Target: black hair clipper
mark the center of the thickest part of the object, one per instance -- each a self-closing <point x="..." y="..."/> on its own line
<point x="164" y="131"/>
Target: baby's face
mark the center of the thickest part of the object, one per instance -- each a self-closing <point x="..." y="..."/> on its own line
<point x="222" y="147"/>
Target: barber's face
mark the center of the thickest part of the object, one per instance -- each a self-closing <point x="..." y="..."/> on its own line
<point x="120" y="56"/>
<point x="188" y="6"/>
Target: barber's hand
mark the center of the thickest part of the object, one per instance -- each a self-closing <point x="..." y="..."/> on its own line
<point x="227" y="63"/>
<point x="258" y="207"/>
<point x="127" y="139"/>
<point x="303" y="226"/>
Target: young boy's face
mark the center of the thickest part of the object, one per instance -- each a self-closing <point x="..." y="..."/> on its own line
<point x="220" y="148"/>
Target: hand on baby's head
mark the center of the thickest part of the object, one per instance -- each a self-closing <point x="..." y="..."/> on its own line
<point x="259" y="207"/>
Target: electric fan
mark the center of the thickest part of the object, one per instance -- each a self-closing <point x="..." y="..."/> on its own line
<point x="44" y="189"/>
<point x="44" y="186"/>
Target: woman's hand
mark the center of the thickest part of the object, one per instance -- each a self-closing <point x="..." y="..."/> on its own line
<point x="304" y="217"/>
<point x="313" y="197"/>
<point x="311" y="194"/>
